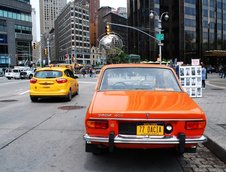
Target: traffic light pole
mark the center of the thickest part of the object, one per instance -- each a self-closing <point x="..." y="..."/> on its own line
<point x="133" y="28"/>
<point x="48" y="51"/>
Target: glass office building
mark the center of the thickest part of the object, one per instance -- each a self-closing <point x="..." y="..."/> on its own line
<point x="15" y="32"/>
<point x="194" y="28"/>
<point x="138" y="16"/>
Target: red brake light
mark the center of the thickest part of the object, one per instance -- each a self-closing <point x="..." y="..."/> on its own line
<point x="61" y="80"/>
<point x="33" y="81"/>
<point x="191" y="125"/>
<point x="98" y="124"/>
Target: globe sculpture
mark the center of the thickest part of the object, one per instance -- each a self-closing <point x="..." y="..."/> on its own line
<point x="111" y="42"/>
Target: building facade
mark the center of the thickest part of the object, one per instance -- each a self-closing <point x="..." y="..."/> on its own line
<point x="15" y="32"/>
<point x="138" y="16"/>
<point x="49" y="10"/>
<point x="94" y="5"/>
<point x="72" y="38"/>
<point x="103" y="11"/>
<point x="194" y="27"/>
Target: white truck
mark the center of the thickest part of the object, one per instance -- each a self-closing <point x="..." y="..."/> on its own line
<point x="26" y="72"/>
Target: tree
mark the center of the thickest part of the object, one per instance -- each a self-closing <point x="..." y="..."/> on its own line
<point x="118" y="56"/>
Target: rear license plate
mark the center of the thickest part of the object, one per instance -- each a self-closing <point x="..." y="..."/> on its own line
<point x="150" y="130"/>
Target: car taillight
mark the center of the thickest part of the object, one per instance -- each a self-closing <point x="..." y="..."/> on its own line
<point x="191" y="125"/>
<point x="98" y="124"/>
<point x="61" y="80"/>
<point x="33" y="81"/>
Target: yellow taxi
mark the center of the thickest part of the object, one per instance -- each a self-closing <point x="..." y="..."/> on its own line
<point x="53" y="82"/>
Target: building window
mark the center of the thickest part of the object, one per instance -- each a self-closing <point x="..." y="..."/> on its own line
<point x="3" y="39"/>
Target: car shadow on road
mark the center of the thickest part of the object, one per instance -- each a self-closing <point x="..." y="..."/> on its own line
<point x="134" y="160"/>
<point x="52" y="100"/>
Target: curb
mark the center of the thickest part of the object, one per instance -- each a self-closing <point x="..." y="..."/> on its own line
<point x="216" y="149"/>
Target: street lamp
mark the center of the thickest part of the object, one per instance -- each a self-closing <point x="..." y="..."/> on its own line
<point x="160" y="36"/>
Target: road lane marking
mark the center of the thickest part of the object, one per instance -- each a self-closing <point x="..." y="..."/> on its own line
<point x="207" y="83"/>
<point x="24" y="92"/>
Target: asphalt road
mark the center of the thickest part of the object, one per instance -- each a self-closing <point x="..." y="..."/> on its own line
<point x="48" y="136"/>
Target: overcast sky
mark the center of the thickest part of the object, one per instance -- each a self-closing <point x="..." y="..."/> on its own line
<point x="111" y="3"/>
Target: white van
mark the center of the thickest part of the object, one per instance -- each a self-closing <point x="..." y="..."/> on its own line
<point x="12" y="73"/>
<point x="9" y="73"/>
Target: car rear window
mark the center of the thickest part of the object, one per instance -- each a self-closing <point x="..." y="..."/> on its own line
<point x="48" y="74"/>
<point x="139" y="78"/>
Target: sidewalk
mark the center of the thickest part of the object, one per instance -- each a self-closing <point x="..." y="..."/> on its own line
<point x="213" y="104"/>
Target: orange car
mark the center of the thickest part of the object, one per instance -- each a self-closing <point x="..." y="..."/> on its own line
<point x="142" y="106"/>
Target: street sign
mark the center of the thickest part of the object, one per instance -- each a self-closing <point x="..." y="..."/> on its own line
<point x="160" y="36"/>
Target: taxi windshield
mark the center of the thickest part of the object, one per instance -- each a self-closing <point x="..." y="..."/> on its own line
<point x="139" y="78"/>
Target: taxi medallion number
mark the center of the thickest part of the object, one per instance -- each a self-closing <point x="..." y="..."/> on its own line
<point x="150" y="130"/>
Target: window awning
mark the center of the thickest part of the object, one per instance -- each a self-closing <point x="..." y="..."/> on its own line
<point x="215" y="53"/>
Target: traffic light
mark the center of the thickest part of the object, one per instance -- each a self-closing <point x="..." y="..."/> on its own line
<point x="34" y="45"/>
<point x="107" y="29"/>
<point x="45" y="51"/>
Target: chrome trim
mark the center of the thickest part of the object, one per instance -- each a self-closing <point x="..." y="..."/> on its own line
<point x="144" y="139"/>
<point x="145" y="119"/>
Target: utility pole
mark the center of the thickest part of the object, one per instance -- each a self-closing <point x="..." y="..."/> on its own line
<point x="48" y="48"/>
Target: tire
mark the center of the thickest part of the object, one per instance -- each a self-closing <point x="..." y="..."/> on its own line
<point x="30" y="76"/>
<point x="33" y="98"/>
<point x="9" y="78"/>
<point x="69" y="96"/>
<point x="77" y="92"/>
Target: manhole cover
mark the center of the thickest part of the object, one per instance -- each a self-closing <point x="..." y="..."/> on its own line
<point x="222" y="125"/>
<point x="217" y="89"/>
<point x="7" y="101"/>
<point x="70" y="107"/>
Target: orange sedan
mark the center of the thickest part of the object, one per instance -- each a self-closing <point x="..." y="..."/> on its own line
<point x="142" y="106"/>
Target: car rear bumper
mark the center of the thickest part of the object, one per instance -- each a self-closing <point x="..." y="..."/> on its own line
<point x="48" y="94"/>
<point x="125" y="139"/>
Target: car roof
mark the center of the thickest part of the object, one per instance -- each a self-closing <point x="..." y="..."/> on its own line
<point x="53" y="68"/>
<point x="136" y="65"/>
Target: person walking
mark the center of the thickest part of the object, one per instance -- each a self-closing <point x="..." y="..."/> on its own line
<point x="204" y="77"/>
<point x="223" y="75"/>
<point x="91" y="72"/>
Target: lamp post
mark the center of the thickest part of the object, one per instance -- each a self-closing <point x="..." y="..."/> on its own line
<point x="166" y="17"/>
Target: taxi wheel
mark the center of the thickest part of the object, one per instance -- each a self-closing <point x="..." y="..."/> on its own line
<point x="69" y="96"/>
<point x="77" y="92"/>
<point x="34" y="99"/>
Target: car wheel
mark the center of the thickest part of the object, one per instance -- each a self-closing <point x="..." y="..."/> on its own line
<point x="69" y="96"/>
<point x="30" y="76"/>
<point x="9" y="78"/>
<point x="77" y="92"/>
<point x="33" y="98"/>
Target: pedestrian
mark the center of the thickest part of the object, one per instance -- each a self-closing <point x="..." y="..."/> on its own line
<point x="223" y="72"/>
<point x="91" y="72"/>
<point x="83" y="72"/>
<point x="204" y="77"/>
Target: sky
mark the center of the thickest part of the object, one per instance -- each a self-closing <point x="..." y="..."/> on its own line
<point x="111" y="3"/>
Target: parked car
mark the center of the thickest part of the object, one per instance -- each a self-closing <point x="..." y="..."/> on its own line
<point x="28" y="73"/>
<point x="142" y="106"/>
<point x="53" y="82"/>
<point x="12" y="73"/>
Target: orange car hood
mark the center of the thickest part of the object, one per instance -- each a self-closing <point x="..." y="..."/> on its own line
<point x="130" y="102"/>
